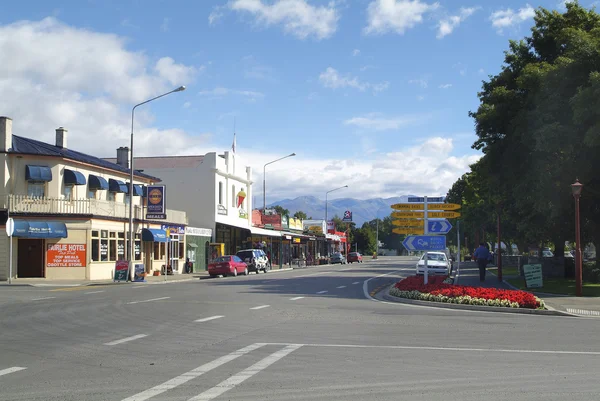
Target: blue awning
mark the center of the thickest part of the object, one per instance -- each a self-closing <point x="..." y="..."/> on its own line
<point x="137" y="189"/>
<point x="154" y="235"/>
<point x="71" y="177"/>
<point x="117" y="186"/>
<point x="38" y="173"/>
<point x="40" y="229"/>
<point x="97" y="183"/>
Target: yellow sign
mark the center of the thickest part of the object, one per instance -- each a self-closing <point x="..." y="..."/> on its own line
<point x="408" y="231"/>
<point x="420" y="215"/>
<point x="446" y="215"/>
<point x="408" y="223"/>
<point x="430" y="206"/>
<point x="408" y="215"/>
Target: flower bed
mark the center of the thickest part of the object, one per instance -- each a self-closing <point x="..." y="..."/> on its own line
<point x="440" y="289"/>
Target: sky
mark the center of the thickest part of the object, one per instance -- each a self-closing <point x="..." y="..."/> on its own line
<point x="373" y="94"/>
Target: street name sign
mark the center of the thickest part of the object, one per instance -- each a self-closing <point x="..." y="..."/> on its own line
<point x="408" y="223"/>
<point x="443" y="215"/>
<point x="425" y="243"/>
<point x="404" y="215"/>
<point x="421" y="199"/>
<point x="438" y="226"/>
<point x="430" y="206"/>
<point x="409" y="231"/>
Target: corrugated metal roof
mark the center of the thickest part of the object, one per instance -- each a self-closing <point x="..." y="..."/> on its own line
<point x="30" y="146"/>
<point x="157" y="162"/>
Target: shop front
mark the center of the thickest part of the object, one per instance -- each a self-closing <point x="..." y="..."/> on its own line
<point x="269" y="241"/>
<point x="234" y="238"/>
<point x="197" y="247"/>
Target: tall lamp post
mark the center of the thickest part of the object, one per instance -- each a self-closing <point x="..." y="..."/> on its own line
<point x="576" y="189"/>
<point x="327" y="193"/>
<point x="265" y="179"/>
<point x="499" y="263"/>
<point x="131" y="240"/>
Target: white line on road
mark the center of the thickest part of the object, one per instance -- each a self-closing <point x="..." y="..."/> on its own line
<point x="244" y="375"/>
<point x="207" y="319"/>
<point x="148" y="300"/>
<point x="93" y="292"/>
<point x="192" y="374"/>
<point x="322" y="292"/>
<point x="345" y="270"/>
<point x="366" y="285"/>
<point x="356" y="282"/>
<point x="11" y="370"/>
<point x="584" y="312"/>
<point x="341" y="286"/>
<point x="41" y="299"/>
<point x="295" y="298"/>
<point x="260" y="307"/>
<point x="127" y="339"/>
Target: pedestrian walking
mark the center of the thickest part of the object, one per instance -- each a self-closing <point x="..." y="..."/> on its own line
<point x="482" y="255"/>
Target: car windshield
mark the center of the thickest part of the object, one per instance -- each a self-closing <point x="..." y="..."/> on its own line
<point x="245" y="254"/>
<point x="222" y="259"/>
<point x="436" y="257"/>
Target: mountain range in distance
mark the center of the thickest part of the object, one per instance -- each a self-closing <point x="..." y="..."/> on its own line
<point x="362" y="210"/>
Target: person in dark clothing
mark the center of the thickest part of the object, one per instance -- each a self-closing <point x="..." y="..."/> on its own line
<point x="482" y="255"/>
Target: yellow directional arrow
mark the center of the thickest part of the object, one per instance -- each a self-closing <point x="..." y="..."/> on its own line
<point x="407" y="206"/>
<point x="430" y="206"/>
<point x="408" y="223"/>
<point x="446" y="215"/>
<point x="408" y="231"/>
<point x="420" y="215"/>
<point x="404" y="215"/>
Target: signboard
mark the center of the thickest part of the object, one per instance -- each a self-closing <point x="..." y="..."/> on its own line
<point x="425" y="243"/>
<point x="443" y="215"/>
<point x="533" y="276"/>
<point x="10" y="226"/>
<point x="409" y="231"/>
<point x="198" y="232"/>
<point x="420" y="199"/>
<point x="173" y="229"/>
<point x="408" y="223"/>
<point x="438" y="226"/>
<point x="330" y="225"/>
<point x="240" y="197"/>
<point x="405" y="215"/>
<point x="121" y="269"/>
<point x="430" y="206"/>
<point x="156" y="208"/>
<point x="314" y="226"/>
<point x="66" y="255"/>
<point x="139" y="275"/>
<point x="295" y="224"/>
<point x="347" y="216"/>
<point x="420" y="215"/>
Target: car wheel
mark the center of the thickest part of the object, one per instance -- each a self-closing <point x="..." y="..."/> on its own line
<point x="212" y="276"/>
<point x="246" y="271"/>
<point x="234" y="272"/>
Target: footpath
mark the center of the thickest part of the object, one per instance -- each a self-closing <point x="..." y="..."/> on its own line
<point x="468" y="274"/>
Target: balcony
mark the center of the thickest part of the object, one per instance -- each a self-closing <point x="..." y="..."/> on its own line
<point x="102" y="208"/>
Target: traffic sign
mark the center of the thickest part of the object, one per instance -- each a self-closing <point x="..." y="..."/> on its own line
<point x="422" y="199"/>
<point x="443" y="215"/>
<point x="430" y="206"/>
<point x="409" y="231"/>
<point x="438" y="226"/>
<point x="408" y="223"/>
<point x="407" y="206"/>
<point x="10" y="227"/>
<point x="404" y="215"/>
<point x="425" y="243"/>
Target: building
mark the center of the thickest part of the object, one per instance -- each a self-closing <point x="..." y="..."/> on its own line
<point x="71" y="213"/>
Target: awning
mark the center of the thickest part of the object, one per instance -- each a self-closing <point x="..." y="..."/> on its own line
<point x="38" y="173"/>
<point x="117" y="186"/>
<point x="71" y="177"/>
<point x="137" y="189"/>
<point x="40" y="229"/>
<point x="264" y="232"/>
<point x="97" y="183"/>
<point x="154" y="235"/>
<point x="192" y="245"/>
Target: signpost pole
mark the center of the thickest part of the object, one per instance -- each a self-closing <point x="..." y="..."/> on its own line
<point x="425" y="231"/>
<point x="458" y="241"/>
<point x="10" y="228"/>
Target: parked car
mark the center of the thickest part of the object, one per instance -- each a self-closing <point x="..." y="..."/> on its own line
<point x="437" y="263"/>
<point x="355" y="257"/>
<point x="228" y="265"/>
<point x="337" y="258"/>
<point x="256" y="259"/>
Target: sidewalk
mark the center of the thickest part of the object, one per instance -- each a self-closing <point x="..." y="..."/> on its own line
<point x="468" y="274"/>
<point x="42" y="282"/>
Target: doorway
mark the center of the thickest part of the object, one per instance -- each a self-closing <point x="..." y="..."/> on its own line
<point x="30" y="258"/>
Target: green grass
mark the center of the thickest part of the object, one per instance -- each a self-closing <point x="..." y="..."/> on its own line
<point x="506" y="271"/>
<point x="558" y="286"/>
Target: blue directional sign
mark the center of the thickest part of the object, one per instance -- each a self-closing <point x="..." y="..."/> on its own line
<point x="438" y="226"/>
<point x="417" y="199"/>
<point x="425" y="243"/>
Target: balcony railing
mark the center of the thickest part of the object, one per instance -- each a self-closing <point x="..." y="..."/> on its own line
<point x="43" y="205"/>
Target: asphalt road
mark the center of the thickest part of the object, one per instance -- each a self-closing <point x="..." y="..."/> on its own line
<point x="309" y="334"/>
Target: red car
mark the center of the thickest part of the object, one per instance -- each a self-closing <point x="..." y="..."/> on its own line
<point x="354" y="257"/>
<point x="228" y="265"/>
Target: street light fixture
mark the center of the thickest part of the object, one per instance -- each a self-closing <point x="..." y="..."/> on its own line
<point x="131" y="240"/>
<point x="326" y="193"/>
<point x="576" y="189"/>
<point x="265" y="179"/>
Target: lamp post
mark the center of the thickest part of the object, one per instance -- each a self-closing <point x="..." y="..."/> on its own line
<point x="576" y="189"/>
<point x="265" y="180"/>
<point x="499" y="263"/>
<point x="131" y="240"/>
<point x="327" y="193"/>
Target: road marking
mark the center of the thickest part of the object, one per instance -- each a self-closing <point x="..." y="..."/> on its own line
<point x="356" y="282"/>
<point x="148" y="300"/>
<point x="322" y="292"/>
<point x="78" y="287"/>
<point x="11" y="370"/>
<point x="244" y="375"/>
<point x="345" y="270"/>
<point x="94" y="292"/>
<point x="207" y="319"/>
<point x="341" y="286"/>
<point x="260" y="307"/>
<point x="584" y="312"/>
<point x="192" y="374"/>
<point x="295" y="298"/>
<point x="366" y="285"/>
<point x="42" y="298"/>
<point x="127" y="339"/>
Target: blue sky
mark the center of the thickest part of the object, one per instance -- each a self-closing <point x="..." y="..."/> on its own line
<point x="372" y="93"/>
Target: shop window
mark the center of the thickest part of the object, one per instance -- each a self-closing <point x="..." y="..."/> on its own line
<point x="159" y="251"/>
<point x="126" y="199"/>
<point x="233" y="196"/>
<point x="100" y="246"/>
<point x="112" y="246"/>
<point x="95" y="246"/>
<point x="111" y="196"/>
<point x="137" y="250"/>
<point x="91" y="194"/>
<point x="36" y="189"/>
<point x="68" y="192"/>
<point x="220" y="193"/>
<point x="181" y="250"/>
<point x="121" y="246"/>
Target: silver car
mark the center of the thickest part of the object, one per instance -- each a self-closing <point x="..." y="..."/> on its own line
<point x="437" y="263"/>
<point x="337" y="258"/>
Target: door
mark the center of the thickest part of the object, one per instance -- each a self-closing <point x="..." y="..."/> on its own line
<point x="30" y="258"/>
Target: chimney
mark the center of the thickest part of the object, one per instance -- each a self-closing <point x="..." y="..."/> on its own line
<point x="61" y="137"/>
<point x="5" y="134"/>
<point x="123" y="156"/>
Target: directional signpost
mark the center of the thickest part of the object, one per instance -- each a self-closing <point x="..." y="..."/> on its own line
<point x="439" y="227"/>
<point x="421" y="215"/>
<point x="409" y="231"/>
<point x="408" y="223"/>
<point x="425" y="243"/>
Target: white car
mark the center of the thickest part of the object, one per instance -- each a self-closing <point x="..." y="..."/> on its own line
<point x="437" y="263"/>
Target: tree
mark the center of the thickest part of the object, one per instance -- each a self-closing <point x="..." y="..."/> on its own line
<point x="281" y="211"/>
<point x="300" y="215"/>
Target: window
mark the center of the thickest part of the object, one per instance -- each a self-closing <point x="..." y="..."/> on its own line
<point x="137" y="250"/>
<point x="159" y="251"/>
<point x="233" y="196"/>
<point x="100" y="246"/>
<point x="112" y="247"/>
<point x="220" y="193"/>
<point x="181" y="250"/>
<point x="91" y="194"/>
<point x="126" y="199"/>
<point x="36" y="189"/>
<point x="111" y="196"/>
<point x="68" y="192"/>
<point x="121" y="246"/>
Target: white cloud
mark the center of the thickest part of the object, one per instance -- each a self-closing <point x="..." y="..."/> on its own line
<point x="126" y="23"/>
<point x="355" y="52"/>
<point x="396" y="15"/>
<point x="506" y="18"/>
<point x="297" y="17"/>
<point x="331" y="78"/>
<point x="165" y="24"/>
<point x="173" y="72"/>
<point x="215" y="15"/>
<point x="421" y="82"/>
<point x="220" y="92"/>
<point x="375" y="122"/>
<point x="447" y="25"/>
<point x="462" y="69"/>
<point x="445" y="86"/>
<point x="187" y="105"/>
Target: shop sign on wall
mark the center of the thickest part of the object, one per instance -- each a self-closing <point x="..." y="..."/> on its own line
<point x="66" y="255"/>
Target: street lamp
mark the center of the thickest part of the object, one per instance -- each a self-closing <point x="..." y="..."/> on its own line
<point x="265" y="180"/>
<point x="326" y="193"/>
<point x="131" y="240"/>
<point x="576" y="189"/>
<point x="499" y="263"/>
